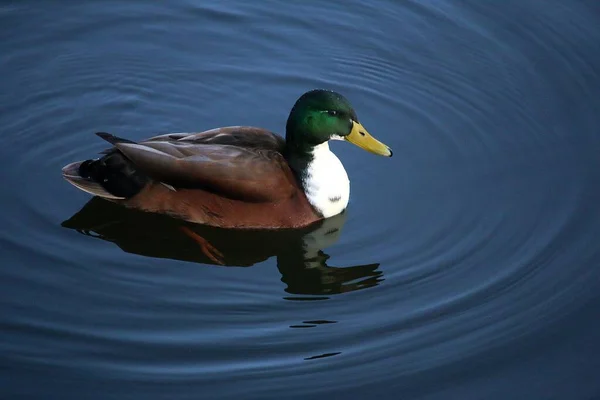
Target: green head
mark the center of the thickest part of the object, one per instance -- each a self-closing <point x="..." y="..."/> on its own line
<point x="322" y="115"/>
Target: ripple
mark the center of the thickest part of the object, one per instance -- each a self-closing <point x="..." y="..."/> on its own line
<point x="473" y="247"/>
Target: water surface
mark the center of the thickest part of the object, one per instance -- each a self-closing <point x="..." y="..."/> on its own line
<point x="466" y="267"/>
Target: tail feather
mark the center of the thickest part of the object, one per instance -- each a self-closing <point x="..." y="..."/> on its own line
<point x="71" y="174"/>
<point x="112" y="176"/>
<point x="112" y="139"/>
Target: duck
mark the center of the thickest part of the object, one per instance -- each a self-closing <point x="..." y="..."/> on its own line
<point x="235" y="177"/>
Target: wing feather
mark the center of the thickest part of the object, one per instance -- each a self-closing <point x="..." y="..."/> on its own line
<point x="238" y="162"/>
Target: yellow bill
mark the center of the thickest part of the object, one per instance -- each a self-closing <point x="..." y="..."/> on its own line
<point x="360" y="137"/>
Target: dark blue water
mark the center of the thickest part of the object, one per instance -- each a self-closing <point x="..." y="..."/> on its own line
<point x="466" y="267"/>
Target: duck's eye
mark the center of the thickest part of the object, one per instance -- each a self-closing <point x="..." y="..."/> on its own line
<point x="333" y="113"/>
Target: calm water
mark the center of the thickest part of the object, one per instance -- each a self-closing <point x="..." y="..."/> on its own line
<point x="466" y="267"/>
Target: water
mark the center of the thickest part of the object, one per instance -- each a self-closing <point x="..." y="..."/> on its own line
<point x="466" y="267"/>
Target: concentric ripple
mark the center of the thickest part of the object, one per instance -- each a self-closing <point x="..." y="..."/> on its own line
<point x="465" y="266"/>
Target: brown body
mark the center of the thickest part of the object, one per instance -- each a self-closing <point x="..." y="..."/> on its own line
<point x="205" y="207"/>
<point x="234" y="177"/>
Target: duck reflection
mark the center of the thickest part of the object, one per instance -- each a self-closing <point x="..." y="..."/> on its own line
<point x="299" y="253"/>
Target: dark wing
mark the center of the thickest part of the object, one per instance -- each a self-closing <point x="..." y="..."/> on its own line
<point x="236" y="162"/>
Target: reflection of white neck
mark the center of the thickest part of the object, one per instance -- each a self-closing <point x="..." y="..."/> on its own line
<point x="326" y="235"/>
<point x="326" y="182"/>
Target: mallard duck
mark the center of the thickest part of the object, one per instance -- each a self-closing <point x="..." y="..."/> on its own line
<point x="237" y="176"/>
